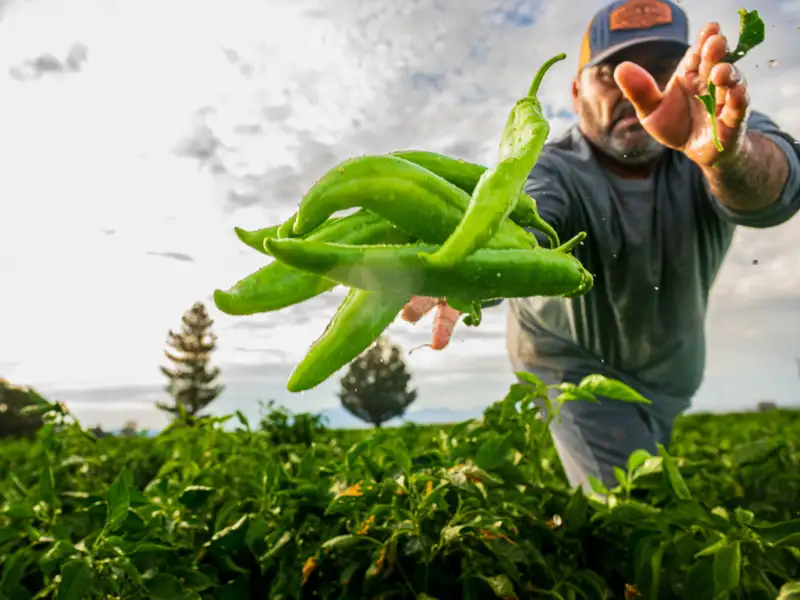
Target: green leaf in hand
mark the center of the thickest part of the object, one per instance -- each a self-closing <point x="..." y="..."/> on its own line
<point x="751" y="34"/>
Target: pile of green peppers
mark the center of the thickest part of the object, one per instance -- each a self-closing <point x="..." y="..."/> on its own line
<point x="425" y="225"/>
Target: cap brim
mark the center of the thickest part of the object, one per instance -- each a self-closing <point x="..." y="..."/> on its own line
<point x="678" y="45"/>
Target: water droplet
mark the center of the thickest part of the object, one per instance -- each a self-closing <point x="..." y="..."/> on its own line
<point x="772" y="63"/>
<point x="656" y="288"/>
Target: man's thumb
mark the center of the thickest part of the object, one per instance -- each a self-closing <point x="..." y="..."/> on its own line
<point x="639" y="88"/>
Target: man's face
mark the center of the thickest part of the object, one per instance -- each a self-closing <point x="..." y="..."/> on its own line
<point x="605" y="115"/>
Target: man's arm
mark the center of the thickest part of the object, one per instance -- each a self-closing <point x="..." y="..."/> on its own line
<point x="759" y="184"/>
<point x="752" y="178"/>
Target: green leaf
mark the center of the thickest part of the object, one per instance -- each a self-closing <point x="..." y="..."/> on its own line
<point x="637" y="458"/>
<point x="151" y="548"/>
<point x="194" y="496"/>
<point x="757" y="452"/>
<point x="243" y="419"/>
<point x="119" y="502"/>
<point x="700" y="579"/>
<point x="577" y="512"/>
<point x="709" y="100"/>
<point x="790" y="591"/>
<point x="493" y="451"/>
<point x="37" y="409"/>
<point x="236" y="590"/>
<point x="613" y="389"/>
<point x="348" y="572"/>
<point x="676" y="482"/>
<point x="597" y="486"/>
<point x="501" y="586"/>
<point x="744" y="516"/>
<point x="164" y="587"/>
<point x="400" y="455"/>
<point x="621" y="476"/>
<point x="780" y="534"/>
<point x="752" y="32"/>
<point x="655" y="570"/>
<point x="572" y="393"/>
<point x="285" y="538"/>
<point x="341" y="541"/>
<point x="532" y="380"/>
<point x="20" y="511"/>
<point x="76" y="580"/>
<point x="47" y="482"/>
<point x="230" y="539"/>
<point x="712" y="549"/>
<point x="727" y="569"/>
<point x="194" y="580"/>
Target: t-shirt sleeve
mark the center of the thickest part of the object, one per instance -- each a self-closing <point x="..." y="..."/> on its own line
<point x="789" y="202"/>
<point x="545" y="186"/>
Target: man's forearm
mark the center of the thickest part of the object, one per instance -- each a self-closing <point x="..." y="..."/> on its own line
<point x="751" y="178"/>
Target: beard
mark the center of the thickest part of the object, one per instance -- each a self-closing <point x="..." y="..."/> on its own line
<point x="625" y="140"/>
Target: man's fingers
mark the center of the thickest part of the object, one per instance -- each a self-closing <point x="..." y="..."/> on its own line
<point x="734" y="111"/>
<point x="418" y="307"/>
<point x="691" y="62"/>
<point x="443" y="325"/>
<point x="706" y="32"/>
<point x="714" y="50"/>
<point x="689" y="67"/>
<point x="726" y="75"/>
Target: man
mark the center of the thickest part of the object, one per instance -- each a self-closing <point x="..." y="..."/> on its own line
<point x="641" y="175"/>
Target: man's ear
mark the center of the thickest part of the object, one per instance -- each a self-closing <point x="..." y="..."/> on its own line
<point x="576" y="92"/>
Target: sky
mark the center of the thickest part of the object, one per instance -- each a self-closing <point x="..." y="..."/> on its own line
<point x="136" y="135"/>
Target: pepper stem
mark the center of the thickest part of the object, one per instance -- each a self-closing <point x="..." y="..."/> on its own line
<point x="537" y="80"/>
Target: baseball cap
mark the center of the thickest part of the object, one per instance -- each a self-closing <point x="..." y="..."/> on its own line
<point x="626" y="23"/>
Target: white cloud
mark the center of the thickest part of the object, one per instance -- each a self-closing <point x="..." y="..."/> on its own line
<point x="275" y="94"/>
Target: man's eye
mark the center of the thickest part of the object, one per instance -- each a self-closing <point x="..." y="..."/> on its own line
<point x="605" y="73"/>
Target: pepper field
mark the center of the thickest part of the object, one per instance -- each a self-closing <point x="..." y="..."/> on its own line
<point x="475" y="510"/>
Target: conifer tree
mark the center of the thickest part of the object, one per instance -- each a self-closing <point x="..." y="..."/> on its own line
<point x="191" y="379"/>
<point x="13" y="420"/>
<point x="375" y="386"/>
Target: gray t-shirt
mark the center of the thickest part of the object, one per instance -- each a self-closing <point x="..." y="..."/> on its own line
<point x="654" y="247"/>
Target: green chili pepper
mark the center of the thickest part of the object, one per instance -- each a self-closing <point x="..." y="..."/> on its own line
<point x="499" y="188"/>
<point x="416" y="200"/>
<point x="285" y="230"/>
<point x="570" y="245"/>
<point x="333" y="227"/>
<point x="278" y="285"/>
<point x="360" y="319"/>
<point x="485" y="274"/>
<point x="465" y="175"/>
<point x="255" y="238"/>
<point x="472" y="310"/>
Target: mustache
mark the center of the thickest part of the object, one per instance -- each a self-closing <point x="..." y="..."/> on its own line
<point x="623" y="110"/>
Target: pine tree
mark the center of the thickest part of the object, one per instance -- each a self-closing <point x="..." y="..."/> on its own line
<point x="129" y="428"/>
<point x="375" y="387"/>
<point x="13" y="422"/>
<point x="190" y="381"/>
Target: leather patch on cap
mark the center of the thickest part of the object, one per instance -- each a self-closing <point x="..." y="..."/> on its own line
<point x="640" y="14"/>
